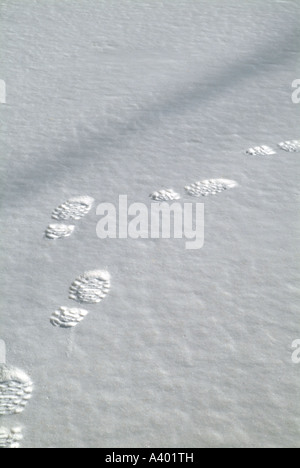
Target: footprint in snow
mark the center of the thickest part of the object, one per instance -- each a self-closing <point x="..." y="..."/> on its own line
<point x="209" y="187"/>
<point x="73" y="209"/>
<point x="15" y="390"/>
<point x="66" y="317"/>
<point x="89" y="288"/>
<point x="292" y="146"/>
<point x="165" y="195"/>
<point x="261" y="151"/>
<point x="10" y="438"/>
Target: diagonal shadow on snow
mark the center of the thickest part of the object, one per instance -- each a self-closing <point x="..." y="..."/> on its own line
<point x="197" y="95"/>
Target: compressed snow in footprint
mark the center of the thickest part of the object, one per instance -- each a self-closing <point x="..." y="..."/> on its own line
<point x="91" y="287"/>
<point x="10" y="438"/>
<point x="15" y="390"/>
<point x="75" y="208"/>
<point x="261" y="151"/>
<point x="67" y="318"/>
<point x="165" y="195"/>
<point x="292" y="146"/>
<point x="59" y="231"/>
<point x="209" y="187"/>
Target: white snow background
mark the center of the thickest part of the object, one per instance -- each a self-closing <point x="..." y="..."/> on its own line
<point x="109" y="97"/>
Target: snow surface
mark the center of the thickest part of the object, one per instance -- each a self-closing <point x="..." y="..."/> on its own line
<point x="110" y="97"/>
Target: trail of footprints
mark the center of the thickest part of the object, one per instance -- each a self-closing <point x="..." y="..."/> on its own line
<point x="208" y="187"/>
<point x="93" y="286"/>
<point x="292" y="146"/>
<point x="15" y="386"/>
